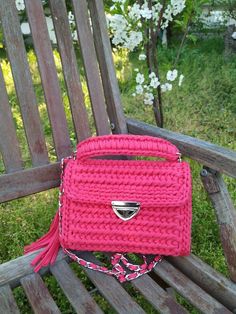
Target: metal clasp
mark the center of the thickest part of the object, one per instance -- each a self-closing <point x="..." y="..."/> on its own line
<point x="179" y="157"/>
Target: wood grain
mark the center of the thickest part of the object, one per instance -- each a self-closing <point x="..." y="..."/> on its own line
<point x="216" y="157"/>
<point x="225" y="213"/>
<point x="70" y="69"/>
<point x="38" y="295"/>
<point x="91" y="67"/>
<point x="49" y="77"/>
<point x="214" y="283"/>
<point x="29" y="181"/>
<point x="74" y="290"/>
<point x="7" y="302"/>
<point x="11" y="272"/>
<point x="9" y="145"/>
<point x="109" y="287"/>
<point x="23" y="82"/>
<point x="157" y="296"/>
<point x="104" y="54"/>
<point x="189" y="290"/>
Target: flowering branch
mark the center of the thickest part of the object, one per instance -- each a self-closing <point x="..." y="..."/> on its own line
<point x="140" y="25"/>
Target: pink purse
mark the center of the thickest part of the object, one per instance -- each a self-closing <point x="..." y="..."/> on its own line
<point x="124" y="205"/>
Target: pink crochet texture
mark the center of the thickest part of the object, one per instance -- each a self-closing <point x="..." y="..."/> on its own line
<point x="163" y="189"/>
<point x="87" y="221"/>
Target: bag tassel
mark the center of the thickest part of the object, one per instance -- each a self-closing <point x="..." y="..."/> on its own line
<point x="51" y="244"/>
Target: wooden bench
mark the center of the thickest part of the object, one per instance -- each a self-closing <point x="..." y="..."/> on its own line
<point x="198" y="283"/>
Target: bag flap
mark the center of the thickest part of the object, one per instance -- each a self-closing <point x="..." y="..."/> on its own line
<point x="155" y="183"/>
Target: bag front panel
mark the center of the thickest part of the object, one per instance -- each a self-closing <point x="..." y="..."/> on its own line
<point x="162" y="226"/>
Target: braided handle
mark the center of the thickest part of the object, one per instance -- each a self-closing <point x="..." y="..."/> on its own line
<point x="132" y="145"/>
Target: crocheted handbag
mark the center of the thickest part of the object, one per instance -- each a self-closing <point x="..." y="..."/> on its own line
<point x="121" y="205"/>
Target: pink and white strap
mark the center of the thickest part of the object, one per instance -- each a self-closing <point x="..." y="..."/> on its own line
<point x="117" y="270"/>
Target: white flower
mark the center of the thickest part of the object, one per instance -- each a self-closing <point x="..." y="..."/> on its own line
<point x="134" y="94"/>
<point x="152" y="75"/>
<point x="133" y="40"/>
<point x="142" y="57"/>
<point x="140" y="78"/>
<point x="134" y="12"/>
<point x="20" y="5"/>
<point x="168" y="13"/>
<point x="177" y="6"/>
<point x="145" y="12"/>
<point x="75" y="35"/>
<point x="166" y="87"/>
<point x="171" y="75"/>
<point x="25" y="28"/>
<point x="139" y="89"/>
<point x="181" y="77"/>
<point x="233" y="35"/>
<point x="71" y="18"/>
<point x="148" y="98"/>
<point x="136" y="70"/>
<point x="154" y="82"/>
<point x="157" y="7"/>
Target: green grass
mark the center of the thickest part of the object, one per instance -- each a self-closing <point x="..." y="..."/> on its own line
<point x="204" y="107"/>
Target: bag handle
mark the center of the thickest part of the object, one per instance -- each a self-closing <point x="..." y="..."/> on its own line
<point x="118" y="270"/>
<point x="132" y="145"/>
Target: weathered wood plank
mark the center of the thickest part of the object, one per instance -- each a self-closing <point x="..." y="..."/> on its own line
<point x="9" y="144"/>
<point x="207" y="278"/>
<point x="29" y="181"/>
<point x="74" y="290"/>
<point x="23" y="82"/>
<point x="38" y="295"/>
<point x="91" y="67"/>
<point x="104" y="54"/>
<point x="11" y="272"/>
<point x="189" y="290"/>
<point x="70" y="68"/>
<point x="225" y="213"/>
<point x="109" y="287"/>
<point x="216" y="157"/>
<point x="158" y="297"/>
<point x="49" y="77"/>
<point x="7" y="302"/>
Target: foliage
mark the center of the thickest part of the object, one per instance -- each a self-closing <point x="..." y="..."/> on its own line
<point x="228" y="5"/>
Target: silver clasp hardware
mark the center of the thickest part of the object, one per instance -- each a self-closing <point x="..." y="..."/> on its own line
<point x="179" y="157"/>
<point x="125" y="210"/>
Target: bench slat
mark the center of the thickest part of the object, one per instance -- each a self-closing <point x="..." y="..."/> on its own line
<point x="104" y="53"/>
<point x="226" y="216"/>
<point x="7" y="302"/>
<point x="189" y="290"/>
<point x="206" y="153"/>
<point x="29" y="181"/>
<point x="38" y="295"/>
<point x="158" y="297"/>
<point x="70" y="69"/>
<point x="23" y="82"/>
<point x="11" y="272"/>
<point x="207" y="278"/>
<point x="8" y="143"/>
<point x="74" y="290"/>
<point x="91" y="67"/>
<point x="49" y="77"/>
<point x="110" y="288"/>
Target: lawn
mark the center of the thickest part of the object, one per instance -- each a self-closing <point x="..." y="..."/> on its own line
<point x="204" y="107"/>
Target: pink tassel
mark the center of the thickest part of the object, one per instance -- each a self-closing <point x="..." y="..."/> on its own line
<point x="51" y="244"/>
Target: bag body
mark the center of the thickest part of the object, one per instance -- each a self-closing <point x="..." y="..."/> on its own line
<point x="125" y="205"/>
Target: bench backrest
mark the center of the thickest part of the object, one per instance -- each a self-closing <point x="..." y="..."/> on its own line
<point x="20" y="177"/>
